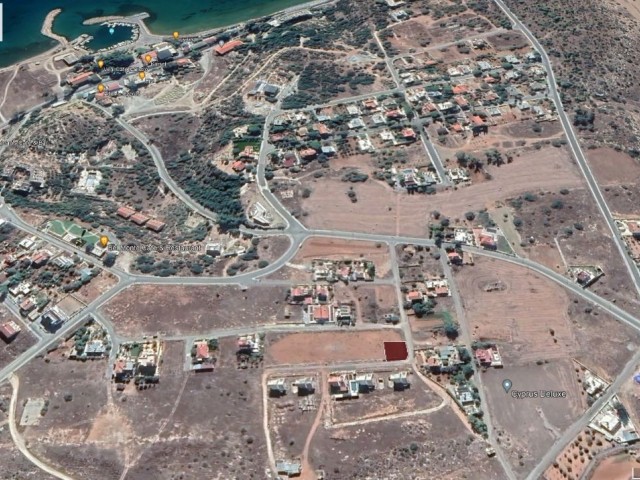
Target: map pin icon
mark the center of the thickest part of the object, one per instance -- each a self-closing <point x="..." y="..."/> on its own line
<point x="506" y="384"/>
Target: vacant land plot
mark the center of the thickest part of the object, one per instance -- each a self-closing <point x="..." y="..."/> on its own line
<point x="508" y="41"/>
<point x="528" y="427"/>
<point x="178" y="129"/>
<point x="569" y="223"/>
<point x="328" y="347"/>
<point x="371" y="302"/>
<point x="423" y="31"/>
<point x="75" y="394"/>
<point x="291" y="418"/>
<point x="534" y="319"/>
<point x="339" y="249"/>
<point x="178" y="310"/>
<point x="26" y="89"/>
<point x="379" y="209"/>
<point x="521" y="315"/>
<point x="404" y="448"/>
<point x="615" y="468"/>
<point x="14" y="464"/>
<point x="612" y="167"/>
<point x="25" y="339"/>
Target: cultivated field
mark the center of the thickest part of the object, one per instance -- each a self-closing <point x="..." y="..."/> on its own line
<point x="178" y="310"/>
<point x="328" y="347"/>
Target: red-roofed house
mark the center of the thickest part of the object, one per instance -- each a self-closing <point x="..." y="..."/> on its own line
<point x="488" y="242"/>
<point x="322" y="129"/>
<point x="321" y="314"/>
<point x="155" y="225"/>
<point x="308" y="153"/>
<point x="408" y="133"/>
<point x="227" y="47"/>
<point x="153" y="54"/>
<point x="290" y="160"/>
<point x="202" y="351"/>
<point x="456" y="127"/>
<point x="393" y="114"/>
<point x="454" y="258"/>
<point x="458" y="89"/>
<point x="461" y="101"/>
<point x="40" y="259"/>
<point x="125" y="212"/>
<point x="113" y="87"/>
<point x="477" y="120"/>
<point x="80" y="79"/>
<point x="489" y="79"/>
<point x="9" y="330"/>
<point x="414" y="296"/>
<point x="139" y="219"/>
<point x="238" y="166"/>
<point x="442" y="291"/>
<point x="488" y="357"/>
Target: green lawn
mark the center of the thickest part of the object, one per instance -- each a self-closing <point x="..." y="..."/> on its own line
<point x="62" y="227"/>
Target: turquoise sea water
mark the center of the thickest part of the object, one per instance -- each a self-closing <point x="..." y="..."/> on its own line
<point x="23" y="20"/>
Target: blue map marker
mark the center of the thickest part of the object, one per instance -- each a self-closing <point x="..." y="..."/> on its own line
<point x="506" y="384"/>
<point x="112" y="30"/>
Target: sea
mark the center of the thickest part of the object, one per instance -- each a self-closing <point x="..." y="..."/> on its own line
<point x="23" y="20"/>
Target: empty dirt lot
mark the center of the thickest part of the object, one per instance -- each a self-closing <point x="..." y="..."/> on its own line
<point x="521" y="315"/>
<point x="611" y="167"/>
<point x="25" y="339"/>
<point x="381" y="210"/>
<point x="328" y="347"/>
<point x="533" y="319"/>
<point x="175" y="310"/>
<point x="424" y="447"/>
<point x="339" y="249"/>
<point x="528" y="427"/>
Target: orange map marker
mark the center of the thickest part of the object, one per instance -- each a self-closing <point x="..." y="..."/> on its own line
<point x="104" y="241"/>
<point x="100" y="88"/>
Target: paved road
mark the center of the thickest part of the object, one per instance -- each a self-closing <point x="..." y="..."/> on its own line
<point x="606" y="213"/>
<point x="467" y="340"/>
<point x="575" y="146"/>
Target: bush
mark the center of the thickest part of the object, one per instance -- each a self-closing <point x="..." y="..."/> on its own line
<point x="557" y="204"/>
<point x="263" y="264"/>
<point x="470" y="216"/>
<point x="517" y="222"/>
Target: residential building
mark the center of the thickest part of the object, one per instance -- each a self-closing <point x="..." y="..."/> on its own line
<point x="228" y="47"/>
<point x="9" y="331"/>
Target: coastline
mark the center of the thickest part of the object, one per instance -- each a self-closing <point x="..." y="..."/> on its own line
<point x="47" y="27"/>
<point x="108" y="18"/>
